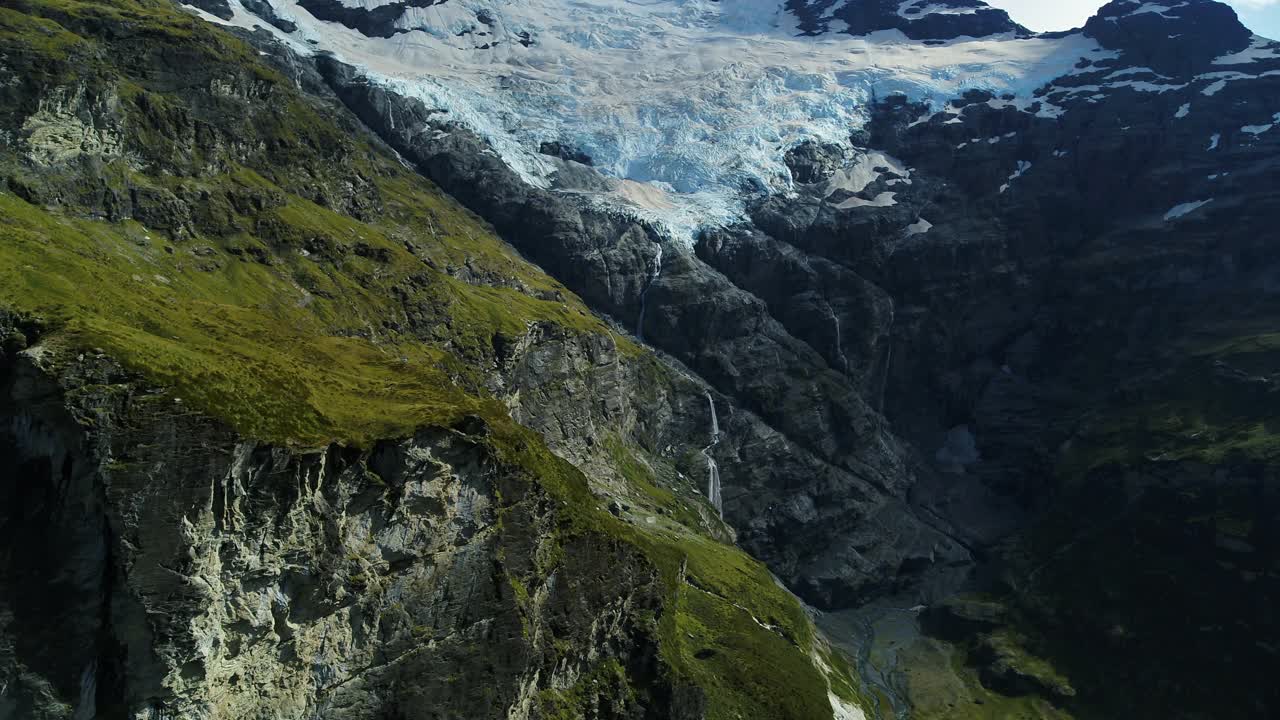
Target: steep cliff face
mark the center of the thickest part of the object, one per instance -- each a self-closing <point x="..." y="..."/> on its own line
<point x="181" y="570"/>
<point x="286" y="432"/>
<point x="1084" y="291"/>
<point x="993" y="373"/>
<point x="967" y="346"/>
<point x="809" y="454"/>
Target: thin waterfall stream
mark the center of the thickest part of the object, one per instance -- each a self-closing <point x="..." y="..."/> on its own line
<point x="835" y="320"/>
<point x="87" y="708"/>
<point x="654" y="273"/>
<point x="713" y="470"/>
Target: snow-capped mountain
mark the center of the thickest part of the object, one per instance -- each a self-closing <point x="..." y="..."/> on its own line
<point x="682" y="104"/>
<point x="688" y="107"/>
<point x="968" y="334"/>
<point x="952" y="267"/>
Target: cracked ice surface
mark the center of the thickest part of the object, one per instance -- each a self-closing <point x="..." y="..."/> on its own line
<point x="697" y="99"/>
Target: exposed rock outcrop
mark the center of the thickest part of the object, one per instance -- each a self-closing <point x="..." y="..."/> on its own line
<point x="917" y="19"/>
<point x="289" y="433"/>
<point x="193" y="572"/>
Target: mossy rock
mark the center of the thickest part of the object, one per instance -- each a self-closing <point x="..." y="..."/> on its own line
<point x="1007" y="666"/>
<point x="252" y="253"/>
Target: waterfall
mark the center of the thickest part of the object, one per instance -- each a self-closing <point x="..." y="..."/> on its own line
<point x="713" y="470"/>
<point x="87" y="708"/>
<point x="715" y="422"/>
<point x="713" y="485"/>
<point x="654" y="272"/>
<point x="884" y="376"/>
<point x="835" y="319"/>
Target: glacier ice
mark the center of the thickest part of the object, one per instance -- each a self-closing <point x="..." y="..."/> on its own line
<point x="696" y="100"/>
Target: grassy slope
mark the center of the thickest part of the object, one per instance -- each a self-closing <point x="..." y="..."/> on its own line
<point x="1199" y="406"/>
<point x="1138" y="598"/>
<point x="305" y="322"/>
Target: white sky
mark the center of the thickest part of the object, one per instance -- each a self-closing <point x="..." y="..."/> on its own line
<point x="1262" y="16"/>
<point x="1051" y="15"/>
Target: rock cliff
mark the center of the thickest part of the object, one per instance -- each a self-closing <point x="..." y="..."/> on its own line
<point x="286" y="432"/>
<point x="995" y="381"/>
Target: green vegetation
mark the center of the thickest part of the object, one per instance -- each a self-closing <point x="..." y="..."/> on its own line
<point x="140" y="19"/>
<point x="1168" y="469"/>
<point x="736" y="633"/>
<point x="1217" y="405"/>
<point x="727" y="626"/>
<point x="713" y="636"/>
<point x="843" y="678"/>
<point x="252" y="253"/>
<point x="654" y="496"/>
<point x="1007" y="656"/>
<point x="609" y="679"/>
<point x="241" y="342"/>
<point x="35" y="35"/>
<point x="942" y="686"/>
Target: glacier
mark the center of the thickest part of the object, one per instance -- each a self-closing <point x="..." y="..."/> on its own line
<point x="688" y="106"/>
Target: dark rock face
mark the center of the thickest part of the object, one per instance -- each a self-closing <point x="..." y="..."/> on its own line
<point x="217" y="8"/>
<point x="555" y="149"/>
<point x="1062" y="295"/>
<point x="1181" y="37"/>
<point x="1176" y="545"/>
<point x="448" y="554"/>
<point x="354" y="584"/>
<point x="955" y="348"/>
<point x="919" y="20"/>
<point x="1052" y="351"/>
<point x="263" y="9"/>
<point x="812" y="162"/>
<point x="809" y="453"/>
<point x="380" y="21"/>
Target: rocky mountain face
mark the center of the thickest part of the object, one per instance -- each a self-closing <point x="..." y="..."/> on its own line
<point x="994" y="383"/>
<point x="1084" y="295"/>
<point x="917" y="19"/>
<point x="788" y="415"/>
<point x="286" y="432"/>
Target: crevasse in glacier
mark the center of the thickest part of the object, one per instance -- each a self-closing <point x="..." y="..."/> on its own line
<point x="695" y="101"/>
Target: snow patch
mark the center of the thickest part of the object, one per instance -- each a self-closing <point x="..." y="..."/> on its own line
<point x="1185" y="208"/>
<point x="932" y="9"/>
<point x="1183" y="111"/>
<point x="1221" y="79"/>
<point x="842" y="710"/>
<point x="1155" y="8"/>
<point x="1260" y="48"/>
<point x="919" y="227"/>
<point x="868" y="168"/>
<point x="884" y="199"/>
<point x="1097" y="91"/>
<point x="1134" y="71"/>
<point x="1023" y="167"/>
<point x="1259" y="129"/>
<point x="1214" y="88"/>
